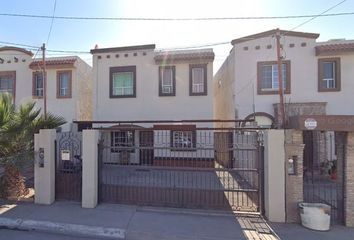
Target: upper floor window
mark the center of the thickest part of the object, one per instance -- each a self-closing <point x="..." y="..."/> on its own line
<point x="7" y="82"/>
<point x="198" y="79"/>
<point x="64" y="84"/>
<point x="329" y="74"/>
<point x="268" y="79"/>
<point x="37" y="84"/>
<point x="122" y="82"/>
<point x="167" y="81"/>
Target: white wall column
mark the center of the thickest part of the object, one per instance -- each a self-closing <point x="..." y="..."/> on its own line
<point x="274" y="175"/>
<point x="44" y="170"/>
<point x="90" y="168"/>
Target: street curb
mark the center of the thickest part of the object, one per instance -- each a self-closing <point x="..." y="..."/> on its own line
<point x="63" y="228"/>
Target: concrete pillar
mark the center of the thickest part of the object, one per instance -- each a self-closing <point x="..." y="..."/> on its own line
<point x="349" y="181"/>
<point x="90" y="168"/>
<point x="294" y="149"/>
<point x="274" y="175"/>
<point x="44" y="173"/>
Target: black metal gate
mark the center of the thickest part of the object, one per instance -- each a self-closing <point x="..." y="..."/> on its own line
<point x="189" y="167"/>
<point x="323" y="171"/>
<point x="68" y="173"/>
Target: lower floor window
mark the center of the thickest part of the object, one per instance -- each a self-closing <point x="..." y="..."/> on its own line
<point x="184" y="140"/>
<point x="122" y="141"/>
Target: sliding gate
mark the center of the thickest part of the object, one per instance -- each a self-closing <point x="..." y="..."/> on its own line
<point x="188" y="168"/>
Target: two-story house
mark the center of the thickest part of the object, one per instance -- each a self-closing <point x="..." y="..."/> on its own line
<point x="69" y="83"/>
<point x="140" y="83"/>
<point x="317" y="80"/>
<point x="316" y="77"/>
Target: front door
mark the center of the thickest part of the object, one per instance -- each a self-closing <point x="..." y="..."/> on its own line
<point x="146" y="142"/>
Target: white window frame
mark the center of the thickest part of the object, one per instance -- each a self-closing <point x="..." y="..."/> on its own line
<point x="8" y="90"/>
<point x="328" y="80"/>
<point x="275" y="80"/>
<point x="123" y="143"/>
<point x="167" y="86"/>
<point x="125" y="91"/>
<point x="183" y="140"/>
<point x="38" y="92"/>
<point x="198" y="87"/>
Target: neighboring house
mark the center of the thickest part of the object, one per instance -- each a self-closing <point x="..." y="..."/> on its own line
<point x="317" y="77"/>
<point x="140" y="83"/>
<point x="69" y="83"/>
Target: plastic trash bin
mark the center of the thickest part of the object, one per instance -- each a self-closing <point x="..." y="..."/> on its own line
<point x="316" y="216"/>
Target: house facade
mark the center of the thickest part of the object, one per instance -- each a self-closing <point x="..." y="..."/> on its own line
<point x="69" y="83"/>
<point x="316" y="77"/>
<point x="139" y="83"/>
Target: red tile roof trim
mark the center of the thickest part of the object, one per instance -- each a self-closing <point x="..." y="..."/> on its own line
<point x="273" y="32"/>
<point x="167" y="57"/>
<point x="334" y="48"/>
<point x="53" y="62"/>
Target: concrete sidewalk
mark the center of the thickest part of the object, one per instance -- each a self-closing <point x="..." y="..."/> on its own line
<point x="145" y="222"/>
<point x="296" y="231"/>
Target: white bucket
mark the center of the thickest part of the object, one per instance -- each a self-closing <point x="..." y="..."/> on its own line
<point x="316" y="216"/>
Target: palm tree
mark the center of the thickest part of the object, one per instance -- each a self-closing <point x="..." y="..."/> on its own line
<point x="17" y="129"/>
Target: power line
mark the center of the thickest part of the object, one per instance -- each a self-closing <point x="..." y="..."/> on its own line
<point x="319" y="15"/>
<point x="196" y="46"/>
<point x="51" y="23"/>
<point x="176" y="19"/>
<point x="31" y="47"/>
<point x="176" y="48"/>
<point x="34" y="48"/>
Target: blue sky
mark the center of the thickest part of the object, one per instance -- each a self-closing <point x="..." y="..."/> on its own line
<point x="83" y="35"/>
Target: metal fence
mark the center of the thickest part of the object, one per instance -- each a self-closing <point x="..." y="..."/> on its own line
<point x="181" y="166"/>
<point x="323" y="171"/>
<point x="68" y="172"/>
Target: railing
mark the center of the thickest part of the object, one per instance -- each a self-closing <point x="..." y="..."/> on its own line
<point x="181" y="166"/>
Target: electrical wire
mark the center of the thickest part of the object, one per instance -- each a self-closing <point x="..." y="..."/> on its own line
<point x="175" y="19"/>
<point x="318" y="15"/>
<point x="51" y="23"/>
<point x="31" y="47"/>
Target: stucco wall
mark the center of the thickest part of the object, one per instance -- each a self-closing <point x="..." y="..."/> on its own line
<point x="223" y="101"/>
<point x="23" y="73"/>
<point x="303" y="73"/>
<point x="304" y="76"/>
<point x="148" y="105"/>
<point x="78" y="107"/>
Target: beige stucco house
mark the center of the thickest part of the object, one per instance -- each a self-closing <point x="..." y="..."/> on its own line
<point x="69" y="81"/>
<point x="317" y="77"/>
<point x="140" y="83"/>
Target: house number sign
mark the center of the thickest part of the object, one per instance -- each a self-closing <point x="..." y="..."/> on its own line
<point x="65" y="155"/>
<point x="310" y="123"/>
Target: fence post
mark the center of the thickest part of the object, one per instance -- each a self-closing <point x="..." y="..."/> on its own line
<point x="44" y="166"/>
<point x="274" y="175"/>
<point x="89" y="168"/>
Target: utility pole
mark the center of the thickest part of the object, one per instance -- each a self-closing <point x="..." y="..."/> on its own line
<point x="281" y="110"/>
<point x="44" y="81"/>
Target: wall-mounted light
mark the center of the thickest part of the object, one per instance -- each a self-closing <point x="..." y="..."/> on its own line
<point x="41" y="157"/>
<point x="292" y="163"/>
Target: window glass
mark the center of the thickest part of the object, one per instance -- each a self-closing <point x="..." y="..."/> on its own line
<point x="123" y="83"/>
<point x="167" y="80"/>
<point x="198" y="80"/>
<point x="64" y="84"/>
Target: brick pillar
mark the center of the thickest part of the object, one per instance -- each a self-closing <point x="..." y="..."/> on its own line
<point x="349" y="181"/>
<point x="340" y="141"/>
<point x="294" y="148"/>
